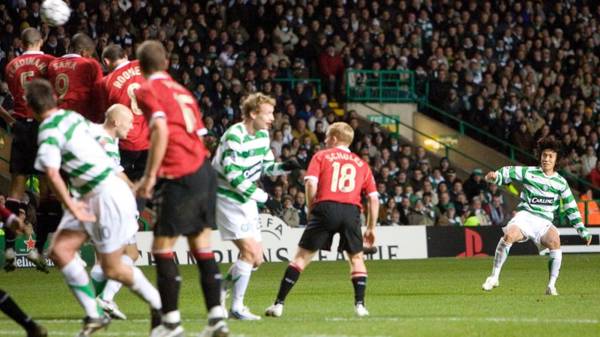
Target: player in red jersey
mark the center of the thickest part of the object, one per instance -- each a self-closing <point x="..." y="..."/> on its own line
<point x="77" y="79"/>
<point x="31" y="64"/>
<point x="119" y="87"/>
<point x="185" y="191"/>
<point x="335" y="181"/>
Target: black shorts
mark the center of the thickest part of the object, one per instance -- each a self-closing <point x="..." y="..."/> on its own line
<point x="186" y="205"/>
<point x="24" y="147"/>
<point x="134" y="163"/>
<point x="329" y="218"/>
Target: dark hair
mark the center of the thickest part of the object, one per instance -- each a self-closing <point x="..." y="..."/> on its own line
<point x="113" y="52"/>
<point x="40" y="96"/>
<point x="152" y="56"/>
<point x="553" y="145"/>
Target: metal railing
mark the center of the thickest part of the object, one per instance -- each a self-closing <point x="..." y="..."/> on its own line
<point x="382" y="86"/>
<point x="315" y="83"/>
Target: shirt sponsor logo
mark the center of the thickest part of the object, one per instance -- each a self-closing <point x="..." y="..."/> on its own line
<point x="542" y="201"/>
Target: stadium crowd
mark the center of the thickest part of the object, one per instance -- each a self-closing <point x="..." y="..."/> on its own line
<point x="524" y="67"/>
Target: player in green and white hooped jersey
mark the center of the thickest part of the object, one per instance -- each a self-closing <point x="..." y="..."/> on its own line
<point x="543" y="191"/>
<point x="118" y="123"/>
<point x="243" y="155"/>
<point x="102" y="210"/>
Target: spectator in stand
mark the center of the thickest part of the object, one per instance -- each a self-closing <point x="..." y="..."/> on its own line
<point x="475" y="185"/>
<point x="331" y="68"/>
<point x="594" y="179"/>
<point x="419" y="215"/>
<point x="496" y="211"/>
<point x="290" y="213"/>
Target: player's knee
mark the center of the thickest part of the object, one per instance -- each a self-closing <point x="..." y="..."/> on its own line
<point x="133" y="253"/>
<point x="112" y="272"/>
<point x="61" y="255"/>
<point x="357" y="261"/>
<point x="512" y="236"/>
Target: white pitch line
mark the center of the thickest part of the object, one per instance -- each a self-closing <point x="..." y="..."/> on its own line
<point x="471" y="319"/>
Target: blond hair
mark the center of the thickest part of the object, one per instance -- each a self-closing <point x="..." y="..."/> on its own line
<point x="343" y="132"/>
<point x="253" y="101"/>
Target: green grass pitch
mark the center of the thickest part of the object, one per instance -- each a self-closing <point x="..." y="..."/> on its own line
<point x="435" y="297"/>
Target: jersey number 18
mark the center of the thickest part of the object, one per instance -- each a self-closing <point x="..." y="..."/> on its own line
<point x="343" y="178"/>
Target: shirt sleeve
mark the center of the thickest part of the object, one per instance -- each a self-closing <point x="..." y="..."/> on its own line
<point x="572" y="212"/>
<point x="369" y="187"/>
<point x="314" y="169"/>
<point x="508" y="174"/>
<point x="270" y="167"/>
<point x="49" y="152"/>
<point x="149" y="105"/>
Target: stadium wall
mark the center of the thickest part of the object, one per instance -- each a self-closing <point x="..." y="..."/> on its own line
<point x="403" y="111"/>
<point x="465" y="144"/>
<point x="393" y="243"/>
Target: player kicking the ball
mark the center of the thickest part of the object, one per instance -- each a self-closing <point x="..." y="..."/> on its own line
<point x="103" y="208"/>
<point x="543" y="190"/>
<point x="335" y="180"/>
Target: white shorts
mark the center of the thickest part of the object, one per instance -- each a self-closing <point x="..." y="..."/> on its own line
<point x="116" y="216"/>
<point x="532" y="226"/>
<point x="237" y="221"/>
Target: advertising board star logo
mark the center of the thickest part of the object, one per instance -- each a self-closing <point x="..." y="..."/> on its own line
<point x="30" y="243"/>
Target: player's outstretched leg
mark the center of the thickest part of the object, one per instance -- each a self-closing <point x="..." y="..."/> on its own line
<point x="290" y="277"/>
<point x="500" y="257"/>
<point x="512" y="234"/>
<point x="12" y="310"/>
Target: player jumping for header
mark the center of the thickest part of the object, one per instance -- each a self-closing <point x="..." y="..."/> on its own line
<point x="543" y="190"/>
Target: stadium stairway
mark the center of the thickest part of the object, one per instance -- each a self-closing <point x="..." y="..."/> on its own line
<point x="440" y="140"/>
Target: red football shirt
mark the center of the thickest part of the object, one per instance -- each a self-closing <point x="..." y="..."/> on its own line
<point x="19" y="71"/>
<point x="77" y="81"/>
<point x="341" y="176"/>
<point x="161" y="97"/>
<point x="120" y="87"/>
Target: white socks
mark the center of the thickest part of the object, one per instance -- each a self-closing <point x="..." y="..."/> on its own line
<point x="112" y="287"/>
<point x="240" y="277"/>
<point x="554" y="266"/>
<point x="142" y="287"/>
<point x="79" y="282"/>
<point x="500" y="257"/>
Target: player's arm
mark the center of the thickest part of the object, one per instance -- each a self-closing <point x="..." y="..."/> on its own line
<point x="233" y="169"/>
<point x="159" y="137"/>
<point x="506" y="175"/>
<point x="311" y="181"/>
<point x="310" y="187"/>
<point x="6" y="116"/>
<point x="572" y="213"/>
<point x="369" y="187"/>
